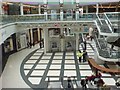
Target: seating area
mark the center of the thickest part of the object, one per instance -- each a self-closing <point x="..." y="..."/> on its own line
<point x="95" y="66"/>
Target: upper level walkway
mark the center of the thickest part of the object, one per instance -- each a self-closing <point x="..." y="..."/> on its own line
<point x="57" y="18"/>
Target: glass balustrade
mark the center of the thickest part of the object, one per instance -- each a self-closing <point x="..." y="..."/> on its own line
<point x="50" y="17"/>
<point x="113" y="15"/>
<point x="56" y="17"/>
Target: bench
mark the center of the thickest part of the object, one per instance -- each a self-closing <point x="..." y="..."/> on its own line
<point x="95" y="66"/>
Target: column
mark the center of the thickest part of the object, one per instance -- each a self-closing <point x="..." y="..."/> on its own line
<point x="77" y="11"/>
<point x="46" y="43"/>
<point x="86" y="9"/>
<point x="31" y="35"/>
<point x="61" y="15"/>
<point x="77" y="41"/>
<point x="21" y="9"/>
<point x="39" y="9"/>
<point x="61" y="1"/>
<point x="97" y="8"/>
<point x="77" y="1"/>
<point x="38" y="29"/>
<point x="77" y="15"/>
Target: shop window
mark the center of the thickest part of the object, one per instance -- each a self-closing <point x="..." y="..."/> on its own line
<point x="8" y="45"/>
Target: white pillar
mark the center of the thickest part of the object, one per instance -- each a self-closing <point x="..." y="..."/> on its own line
<point x="86" y="9"/>
<point x="39" y="9"/>
<point x="45" y="1"/>
<point x="21" y="9"/>
<point x="61" y="15"/>
<point x="77" y="15"/>
<point x="77" y="1"/>
<point x="46" y="43"/>
<point x="38" y="29"/>
<point x="97" y="8"/>
<point x="61" y="1"/>
<point x="77" y="41"/>
<point x="45" y="13"/>
<point x="31" y="33"/>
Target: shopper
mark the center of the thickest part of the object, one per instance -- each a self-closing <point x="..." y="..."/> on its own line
<point x="79" y="54"/>
<point x="85" y="56"/>
<point x="85" y="44"/>
<point x="69" y="82"/>
<point x="91" y="33"/>
<point x="83" y="83"/>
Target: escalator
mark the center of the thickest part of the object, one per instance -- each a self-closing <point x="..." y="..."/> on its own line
<point x="105" y="51"/>
<point x="102" y="25"/>
<point x="116" y="42"/>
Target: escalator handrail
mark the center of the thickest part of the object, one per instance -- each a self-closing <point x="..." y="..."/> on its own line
<point x="110" y="27"/>
<point x="99" y="19"/>
<point x="108" y="19"/>
<point x="97" y="42"/>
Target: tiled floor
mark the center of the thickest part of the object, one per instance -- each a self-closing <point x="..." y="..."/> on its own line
<point x="39" y="67"/>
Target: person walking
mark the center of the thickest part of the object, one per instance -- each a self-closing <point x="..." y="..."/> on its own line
<point x="85" y="44"/>
<point x="84" y="56"/>
<point x="69" y="82"/>
<point x="79" y="54"/>
<point x="83" y="84"/>
<point x="91" y="33"/>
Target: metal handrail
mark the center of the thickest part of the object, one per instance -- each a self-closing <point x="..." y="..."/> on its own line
<point x="97" y="42"/>
<point x="99" y="19"/>
<point x="107" y="19"/>
<point x="110" y="27"/>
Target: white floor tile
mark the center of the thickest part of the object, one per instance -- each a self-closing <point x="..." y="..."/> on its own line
<point x="26" y="66"/>
<point x="57" y="57"/>
<point x="53" y="73"/>
<point x="90" y="51"/>
<point x="69" y="57"/>
<point x="61" y="54"/>
<point x="26" y="72"/>
<point x="46" y="57"/>
<point x="35" y="57"/>
<point x="37" y="54"/>
<point x="37" y="73"/>
<point x="109" y="81"/>
<point x="70" y="67"/>
<point x="86" y="72"/>
<point x="69" y="53"/>
<point x="55" y="67"/>
<point x="105" y="74"/>
<point x="34" y="80"/>
<point x="31" y="61"/>
<point x="70" y="61"/>
<point x="44" y="61"/>
<point x="69" y="72"/>
<point x="49" y="54"/>
<point x="84" y="67"/>
<point x="57" y="61"/>
<point x="41" y="67"/>
<point x="92" y="54"/>
<point x="65" y="78"/>
<point x="52" y="79"/>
